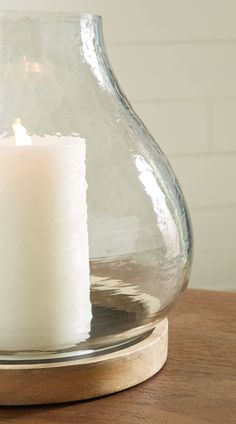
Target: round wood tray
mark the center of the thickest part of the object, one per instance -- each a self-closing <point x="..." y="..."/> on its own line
<point x="25" y="384"/>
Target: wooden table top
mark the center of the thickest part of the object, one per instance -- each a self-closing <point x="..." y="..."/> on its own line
<point x="197" y="384"/>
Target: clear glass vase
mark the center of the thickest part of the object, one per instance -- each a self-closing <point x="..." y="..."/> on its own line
<point x="95" y="236"/>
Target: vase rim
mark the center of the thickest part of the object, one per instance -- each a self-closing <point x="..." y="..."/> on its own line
<point x="61" y="16"/>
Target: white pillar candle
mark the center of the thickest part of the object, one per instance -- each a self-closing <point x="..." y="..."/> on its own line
<point x="44" y="254"/>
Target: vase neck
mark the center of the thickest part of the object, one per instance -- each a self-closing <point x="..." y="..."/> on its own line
<point x="35" y="37"/>
<point x="48" y="60"/>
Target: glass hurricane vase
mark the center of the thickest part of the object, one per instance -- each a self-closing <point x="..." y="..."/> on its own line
<point x="95" y="236"/>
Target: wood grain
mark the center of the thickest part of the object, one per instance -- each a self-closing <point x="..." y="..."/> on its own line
<point x="197" y="384"/>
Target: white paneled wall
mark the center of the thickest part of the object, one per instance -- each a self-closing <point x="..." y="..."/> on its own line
<point x="176" y="61"/>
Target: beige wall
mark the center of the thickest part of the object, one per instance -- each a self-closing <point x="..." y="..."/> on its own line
<point x="176" y="61"/>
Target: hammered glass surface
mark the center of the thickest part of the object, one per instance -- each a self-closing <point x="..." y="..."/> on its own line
<point x="56" y="76"/>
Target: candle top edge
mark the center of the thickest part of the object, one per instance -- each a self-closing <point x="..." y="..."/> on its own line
<point x="47" y="141"/>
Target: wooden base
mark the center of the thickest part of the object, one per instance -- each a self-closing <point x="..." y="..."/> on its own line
<point x="86" y="378"/>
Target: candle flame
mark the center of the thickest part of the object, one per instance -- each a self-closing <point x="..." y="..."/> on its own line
<point x="21" y="136"/>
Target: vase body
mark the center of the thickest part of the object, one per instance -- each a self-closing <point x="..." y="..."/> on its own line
<point x="95" y="237"/>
